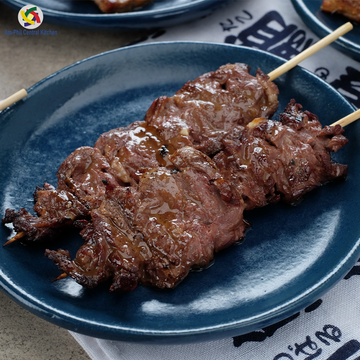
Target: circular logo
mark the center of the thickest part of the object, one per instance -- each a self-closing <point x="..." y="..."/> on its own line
<point x="30" y="17"/>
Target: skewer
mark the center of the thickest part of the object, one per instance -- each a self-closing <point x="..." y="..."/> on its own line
<point x="273" y="75"/>
<point x="16" y="237"/>
<point x="348" y="119"/>
<point x="310" y="51"/>
<point x="13" y="99"/>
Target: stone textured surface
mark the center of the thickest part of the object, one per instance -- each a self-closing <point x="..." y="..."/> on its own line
<point x="24" y="336"/>
<point x="25" y="60"/>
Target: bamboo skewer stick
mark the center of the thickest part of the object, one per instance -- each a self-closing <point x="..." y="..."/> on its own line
<point x="13" y="99"/>
<point x="310" y="51"/>
<point x="348" y="119"/>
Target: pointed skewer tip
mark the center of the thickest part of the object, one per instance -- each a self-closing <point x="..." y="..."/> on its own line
<point x="18" y="236"/>
<point x="61" y="276"/>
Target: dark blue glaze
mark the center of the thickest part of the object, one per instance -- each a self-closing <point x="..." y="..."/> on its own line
<point x="85" y="14"/>
<point x="290" y="257"/>
<point x="323" y="23"/>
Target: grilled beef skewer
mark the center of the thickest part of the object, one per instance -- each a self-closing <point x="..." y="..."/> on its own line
<point x="182" y="216"/>
<point x="152" y="203"/>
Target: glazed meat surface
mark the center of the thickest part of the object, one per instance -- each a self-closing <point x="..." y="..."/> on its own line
<point x="202" y="114"/>
<point x="86" y="174"/>
<point x="133" y="150"/>
<point x="348" y="8"/>
<point x="119" y="6"/>
<point x="282" y="160"/>
<point x="155" y="233"/>
<point x="208" y="109"/>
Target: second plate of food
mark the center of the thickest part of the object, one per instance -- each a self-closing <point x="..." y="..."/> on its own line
<point x="289" y="258"/>
<point x="323" y="23"/>
<point x="86" y="14"/>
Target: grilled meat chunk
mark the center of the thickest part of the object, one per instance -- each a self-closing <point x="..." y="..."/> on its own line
<point x="82" y="182"/>
<point x="348" y="8"/>
<point x="86" y="174"/>
<point x="111" y="250"/>
<point x="154" y="234"/>
<point x="286" y="159"/>
<point x="208" y="109"/>
<point x="201" y="114"/>
<point x="133" y="150"/>
<point x="56" y="210"/>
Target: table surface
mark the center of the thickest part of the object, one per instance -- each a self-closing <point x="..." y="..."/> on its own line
<point x="24" y="336"/>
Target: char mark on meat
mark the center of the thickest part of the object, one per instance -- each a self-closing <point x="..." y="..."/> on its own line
<point x="87" y="174"/>
<point x="111" y="250"/>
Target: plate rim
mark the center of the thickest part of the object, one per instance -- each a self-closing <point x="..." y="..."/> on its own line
<point x="321" y="30"/>
<point x="285" y="310"/>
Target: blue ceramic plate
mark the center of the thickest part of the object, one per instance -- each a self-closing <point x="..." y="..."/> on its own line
<point x="323" y="23"/>
<point x="290" y="257"/>
<point x="86" y="14"/>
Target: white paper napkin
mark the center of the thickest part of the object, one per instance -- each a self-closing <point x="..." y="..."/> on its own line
<point x="330" y="328"/>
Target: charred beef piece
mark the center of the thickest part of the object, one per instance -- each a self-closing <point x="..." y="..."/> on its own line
<point x="82" y="181"/>
<point x="348" y="8"/>
<point x="111" y="250"/>
<point x="286" y="159"/>
<point x="119" y="6"/>
<point x="86" y="174"/>
<point x="133" y="150"/>
<point x="56" y="210"/>
<point x="208" y="109"/>
<point x="155" y="233"/>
